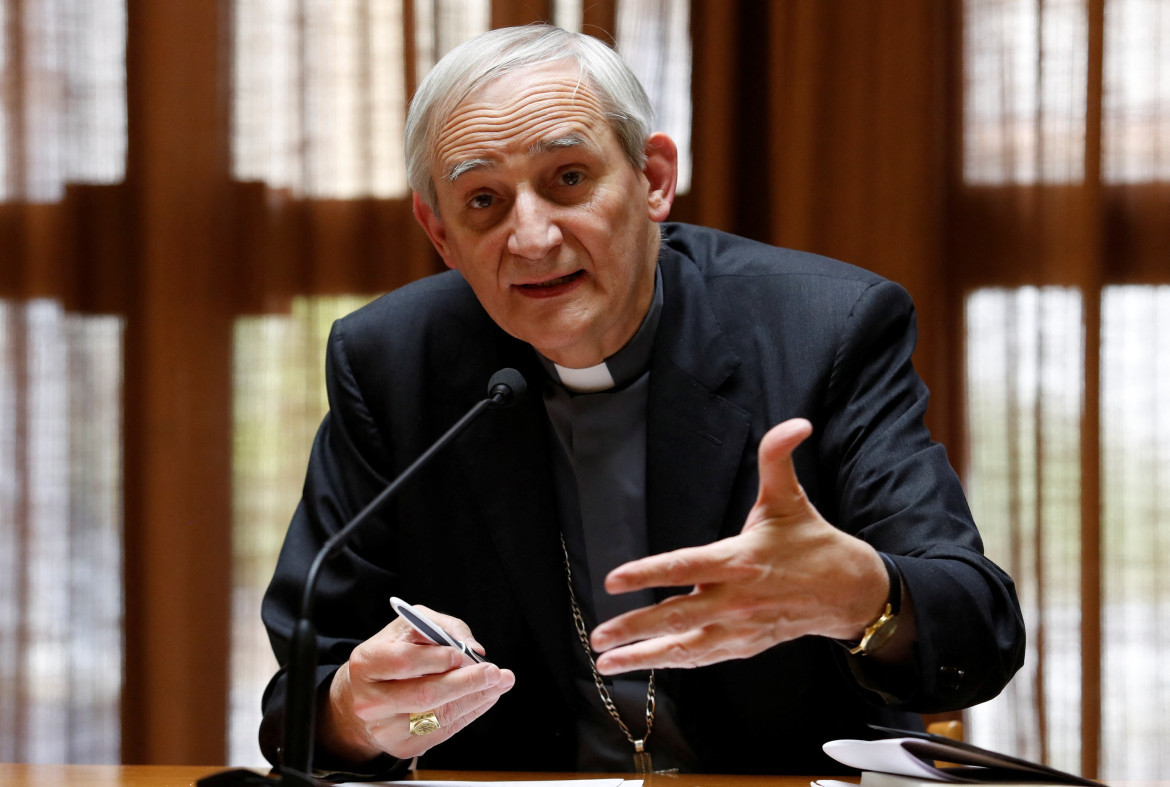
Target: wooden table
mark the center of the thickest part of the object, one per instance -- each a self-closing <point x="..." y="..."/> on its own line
<point x="101" y="775"/>
<point x="186" y="775"/>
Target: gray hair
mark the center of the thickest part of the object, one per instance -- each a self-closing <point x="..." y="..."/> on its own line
<point x="493" y="54"/>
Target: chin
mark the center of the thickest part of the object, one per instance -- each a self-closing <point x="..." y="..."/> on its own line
<point x="559" y="351"/>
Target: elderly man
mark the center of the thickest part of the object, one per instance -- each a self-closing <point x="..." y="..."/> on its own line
<point x="716" y="535"/>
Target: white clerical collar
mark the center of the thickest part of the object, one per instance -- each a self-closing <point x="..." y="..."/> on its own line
<point x="590" y="380"/>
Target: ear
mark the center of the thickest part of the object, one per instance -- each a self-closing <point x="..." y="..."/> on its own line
<point x="661" y="171"/>
<point x="433" y="226"/>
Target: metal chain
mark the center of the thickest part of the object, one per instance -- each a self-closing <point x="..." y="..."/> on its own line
<point x="602" y="691"/>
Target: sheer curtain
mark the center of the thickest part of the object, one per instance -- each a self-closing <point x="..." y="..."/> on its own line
<point x="60" y="528"/>
<point x="278" y="402"/>
<point x="63" y="123"/>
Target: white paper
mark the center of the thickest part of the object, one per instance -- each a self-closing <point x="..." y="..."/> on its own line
<point x="886" y="755"/>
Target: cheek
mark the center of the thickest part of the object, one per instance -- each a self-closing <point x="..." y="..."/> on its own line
<point x="473" y="255"/>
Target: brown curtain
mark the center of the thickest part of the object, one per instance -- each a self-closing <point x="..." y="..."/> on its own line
<point x="841" y="113"/>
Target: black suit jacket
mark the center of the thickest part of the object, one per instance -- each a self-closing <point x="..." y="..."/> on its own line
<point x="750" y="335"/>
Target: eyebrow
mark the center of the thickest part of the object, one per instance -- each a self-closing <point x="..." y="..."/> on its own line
<point x="570" y="140"/>
<point x="463" y="167"/>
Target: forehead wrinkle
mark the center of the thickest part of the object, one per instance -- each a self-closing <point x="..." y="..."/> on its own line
<point x="531" y="111"/>
<point x="504" y="119"/>
<point x="478" y="145"/>
<point x="571" y="139"/>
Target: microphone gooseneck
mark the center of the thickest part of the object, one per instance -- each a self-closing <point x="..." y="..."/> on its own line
<point x="505" y="388"/>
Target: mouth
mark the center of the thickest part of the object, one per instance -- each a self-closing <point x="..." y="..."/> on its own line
<point x="551" y="287"/>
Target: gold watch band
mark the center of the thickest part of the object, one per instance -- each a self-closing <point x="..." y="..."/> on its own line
<point x="879" y="632"/>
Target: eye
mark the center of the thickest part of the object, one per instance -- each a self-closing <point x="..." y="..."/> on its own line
<point x="481" y="201"/>
<point x="572" y="178"/>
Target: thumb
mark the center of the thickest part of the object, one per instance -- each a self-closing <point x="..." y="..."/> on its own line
<point x="780" y="492"/>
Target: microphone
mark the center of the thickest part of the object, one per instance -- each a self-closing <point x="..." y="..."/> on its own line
<point x="506" y="387"/>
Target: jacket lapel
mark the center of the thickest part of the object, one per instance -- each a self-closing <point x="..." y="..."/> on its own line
<point x="695" y="436"/>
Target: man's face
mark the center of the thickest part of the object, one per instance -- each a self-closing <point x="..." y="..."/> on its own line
<point x="544" y="216"/>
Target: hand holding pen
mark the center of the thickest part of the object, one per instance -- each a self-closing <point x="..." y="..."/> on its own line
<point x="398" y="693"/>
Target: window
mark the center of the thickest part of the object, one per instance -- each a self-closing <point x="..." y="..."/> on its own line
<point x="1136" y="115"/>
<point x="654" y="38"/>
<point x="1024" y="402"/>
<point x="62" y="120"/>
<point x="1062" y="508"/>
<point x="1025" y="91"/>
<point x="1135" y="462"/>
<point x="60" y="534"/>
<point x="279" y="401"/>
<point x="63" y="109"/>
<point x="1025" y="371"/>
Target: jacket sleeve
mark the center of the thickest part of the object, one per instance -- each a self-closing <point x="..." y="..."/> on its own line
<point x="342" y="477"/>
<point x="895" y="488"/>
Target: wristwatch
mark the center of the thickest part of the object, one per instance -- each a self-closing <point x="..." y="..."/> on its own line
<point x="879" y="632"/>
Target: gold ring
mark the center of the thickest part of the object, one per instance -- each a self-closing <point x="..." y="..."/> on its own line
<point x="423" y="723"/>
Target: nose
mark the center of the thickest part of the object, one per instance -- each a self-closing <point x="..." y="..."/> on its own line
<point x="534" y="232"/>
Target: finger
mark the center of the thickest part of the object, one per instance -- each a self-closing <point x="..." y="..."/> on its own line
<point x="374" y="703"/>
<point x="431" y="691"/>
<point x="697" y="647"/>
<point x="692" y="649"/>
<point x="467" y="709"/>
<point x="389" y="658"/>
<point x="392" y="733"/>
<point x="718" y="561"/>
<point x="674" y="615"/>
<point x="779" y="487"/>
<point x="473" y="705"/>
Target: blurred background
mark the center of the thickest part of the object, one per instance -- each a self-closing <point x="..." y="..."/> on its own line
<point x="192" y="190"/>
